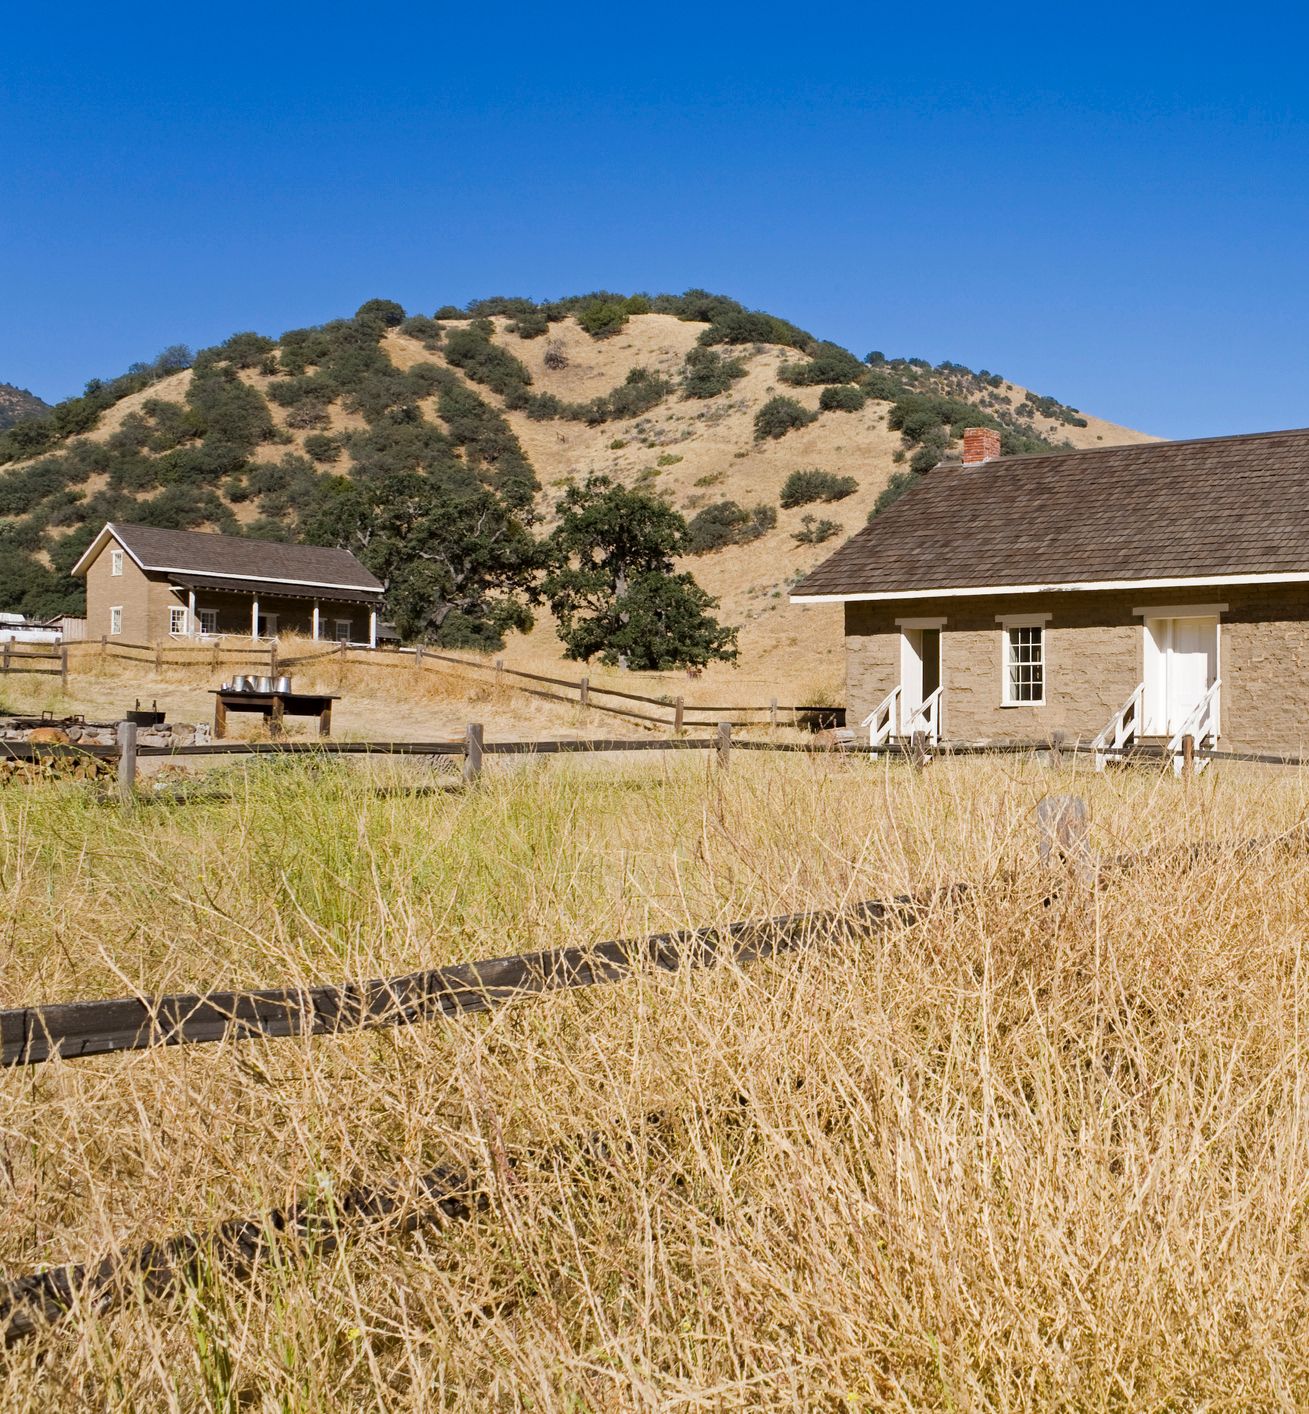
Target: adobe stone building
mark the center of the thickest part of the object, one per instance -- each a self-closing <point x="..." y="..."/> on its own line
<point x="1106" y="596"/>
<point x="145" y="585"/>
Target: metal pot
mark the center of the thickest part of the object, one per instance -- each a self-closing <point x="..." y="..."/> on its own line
<point x="282" y="684"/>
<point x="261" y="684"/>
<point x="240" y="683"/>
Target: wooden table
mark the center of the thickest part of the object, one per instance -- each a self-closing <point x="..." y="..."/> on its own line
<point x="274" y="706"/>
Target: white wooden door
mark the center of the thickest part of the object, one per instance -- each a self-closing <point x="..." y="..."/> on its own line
<point x="1181" y="664"/>
<point x="1192" y="667"/>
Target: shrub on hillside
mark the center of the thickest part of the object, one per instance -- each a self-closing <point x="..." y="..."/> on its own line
<point x="781" y="415"/>
<point x="384" y="312"/>
<point x="842" y="397"/>
<point x="814" y="531"/>
<point x="322" y="448"/>
<point x="530" y="324"/>
<point x="639" y="392"/>
<point x="471" y="351"/>
<point x="802" y="488"/>
<point x="603" y="318"/>
<point x="556" y="357"/>
<point x="877" y="383"/>
<point x="706" y="373"/>
<point x="899" y="483"/>
<point x="227" y="410"/>
<point x="829" y="363"/>
<point x="744" y="326"/>
<point x="727" y="523"/>
<point x="420" y="326"/>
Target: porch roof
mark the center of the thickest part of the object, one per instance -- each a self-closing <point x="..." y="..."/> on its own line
<point x="276" y="590"/>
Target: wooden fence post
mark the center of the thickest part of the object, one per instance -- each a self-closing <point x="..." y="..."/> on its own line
<point x="724" y="744"/>
<point x="159" y="656"/>
<point x="772" y="713"/>
<point x="4" y="666"/>
<point x="679" y="712"/>
<point x="472" y="752"/>
<point x="584" y="693"/>
<point x="272" y="657"/>
<point x="418" y="655"/>
<point x="1063" y="834"/>
<point x="126" y="761"/>
<point x="1188" y="757"/>
<point x="104" y="645"/>
<point x="63" y="666"/>
<point x="499" y="671"/>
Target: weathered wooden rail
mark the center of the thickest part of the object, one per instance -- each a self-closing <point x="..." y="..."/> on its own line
<point x="74" y="1030"/>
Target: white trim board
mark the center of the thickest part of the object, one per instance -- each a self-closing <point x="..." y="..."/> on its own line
<point x="1180" y="611"/>
<point x="1073" y="587"/>
<point x="920" y="623"/>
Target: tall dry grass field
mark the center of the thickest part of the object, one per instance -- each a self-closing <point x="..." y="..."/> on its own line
<point x="1025" y="1152"/>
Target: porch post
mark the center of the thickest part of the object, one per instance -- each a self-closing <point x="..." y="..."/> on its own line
<point x="372" y="628"/>
<point x="190" y="612"/>
<point x="315" y="620"/>
<point x="254" y="617"/>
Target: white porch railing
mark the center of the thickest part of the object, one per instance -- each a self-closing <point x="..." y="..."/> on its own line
<point x="1122" y="728"/>
<point x="881" y="721"/>
<point x="1201" y="725"/>
<point x="925" y="718"/>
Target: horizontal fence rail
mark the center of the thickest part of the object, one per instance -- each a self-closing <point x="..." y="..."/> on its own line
<point x="75" y="1030"/>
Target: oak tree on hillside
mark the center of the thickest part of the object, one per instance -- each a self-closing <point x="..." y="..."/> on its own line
<point x="612" y="588"/>
<point x="457" y="560"/>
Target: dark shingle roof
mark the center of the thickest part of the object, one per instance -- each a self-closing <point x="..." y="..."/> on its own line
<point x="1159" y="510"/>
<point x="198" y="552"/>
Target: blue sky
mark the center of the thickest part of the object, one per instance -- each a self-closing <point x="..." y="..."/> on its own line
<point x="1108" y="204"/>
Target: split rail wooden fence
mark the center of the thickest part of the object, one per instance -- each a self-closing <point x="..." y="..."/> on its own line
<point x="669" y="710"/>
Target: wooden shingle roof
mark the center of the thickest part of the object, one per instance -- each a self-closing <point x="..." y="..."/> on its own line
<point x="232" y="557"/>
<point x="1221" y="506"/>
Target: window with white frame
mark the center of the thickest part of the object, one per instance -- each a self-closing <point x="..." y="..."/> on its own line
<point x="343" y="627"/>
<point x="115" y="562"/>
<point x="208" y="620"/>
<point x="116" y="619"/>
<point x="177" y="619"/>
<point x="1024" y="664"/>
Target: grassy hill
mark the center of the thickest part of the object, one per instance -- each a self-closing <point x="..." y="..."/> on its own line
<point x="17" y="403"/>
<point x="693" y="397"/>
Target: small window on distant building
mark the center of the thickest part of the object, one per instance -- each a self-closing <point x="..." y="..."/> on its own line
<point x="208" y="620"/>
<point x="115" y="562"/>
<point x="116" y="619"/>
<point x="177" y="619"/>
<point x="1024" y="666"/>
<point x="343" y="627"/>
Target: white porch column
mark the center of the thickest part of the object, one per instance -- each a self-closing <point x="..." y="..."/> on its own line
<point x="315" y="620"/>
<point x="254" y="617"/>
<point x="190" y="612"/>
<point x="372" y="628"/>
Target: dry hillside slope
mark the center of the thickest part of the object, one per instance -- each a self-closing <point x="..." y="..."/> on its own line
<point x="157" y="452"/>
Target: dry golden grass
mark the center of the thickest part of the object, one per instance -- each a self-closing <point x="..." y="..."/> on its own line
<point x="1013" y="1156"/>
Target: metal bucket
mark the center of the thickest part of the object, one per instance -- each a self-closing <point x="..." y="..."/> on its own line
<point x="282" y="684"/>
<point x="240" y="683"/>
<point x="261" y="684"/>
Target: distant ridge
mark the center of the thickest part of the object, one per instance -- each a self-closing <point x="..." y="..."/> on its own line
<point x="17" y="403"/>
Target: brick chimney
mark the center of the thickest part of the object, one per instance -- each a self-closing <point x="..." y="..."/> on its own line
<point x="981" y="444"/>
